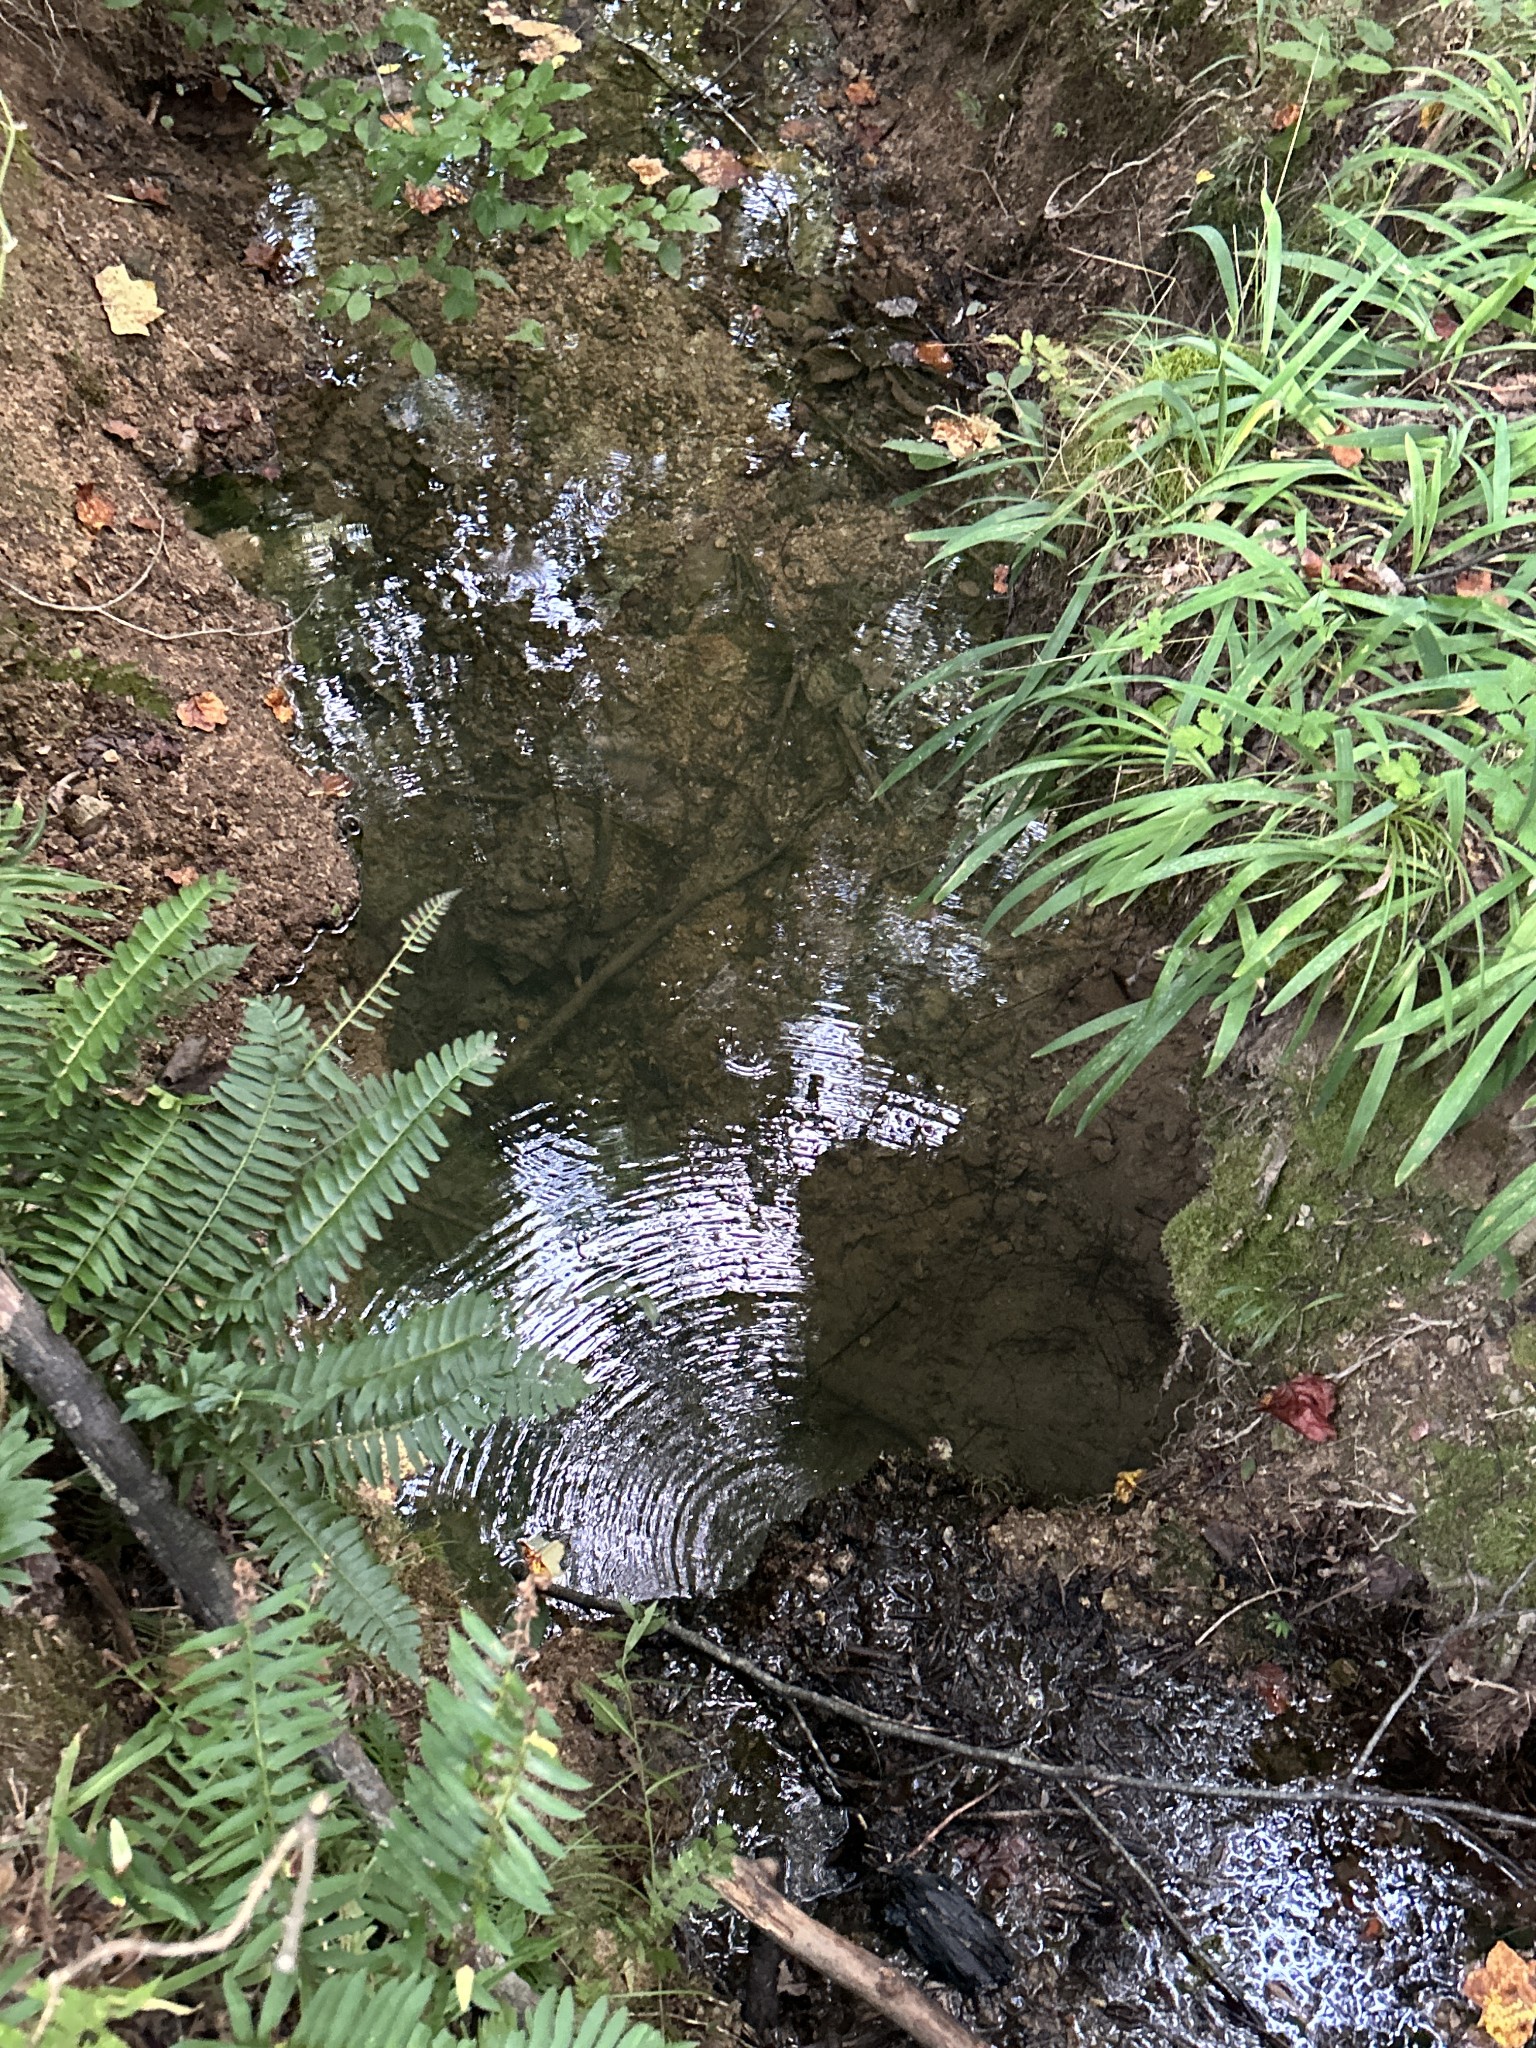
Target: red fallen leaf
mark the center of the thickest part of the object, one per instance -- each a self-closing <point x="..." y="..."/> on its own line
<point x="858" y="92"/>
<point x="120" y="430"/>
<point x="1272" y="1685"/>
<point x="329" y="783"/>
<point x="94" y="512"/>
<point x="999" y="579"/>
<point x="1305" y="1404"/>
<point x="280" y="704"/>
<point x="148" y="191"/>
<point x="721" y="169"/>
<point x="181" y="878"/>
<point x="1313" y="567"/>
<point x="1444" y="322"/>
<point x="1285" y="117"/>
<point x="265" y="255"/>
<point x="1346" y="458"/>
<point x="203" y="712"/>
<point x="933" y="355"/>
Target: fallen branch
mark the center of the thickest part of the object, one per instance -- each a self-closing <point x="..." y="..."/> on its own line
<point x="182" y="1546"/>
<point x="694" y="897"/>
<point x="879" y="1983"/>
<point x="1330" y="1792"/>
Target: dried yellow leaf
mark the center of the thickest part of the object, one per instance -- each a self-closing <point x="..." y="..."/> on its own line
<point x="650" y="170"/>
<point x="1504" y="1990"/>
<point x="130" y="303"/>
<point x="1126" y="1484"/>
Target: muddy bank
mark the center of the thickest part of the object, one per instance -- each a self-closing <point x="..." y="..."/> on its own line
<point x="127" y="613"/>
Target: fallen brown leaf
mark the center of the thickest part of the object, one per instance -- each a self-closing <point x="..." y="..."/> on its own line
<point x="1374" y="1928"/>
<point x="1504" y="1991"/>
<point x="330" y="783"/>
<point x="203" y="712"/>
<point x="148" y="191"/>
<point x="120" y="430"/>
<point x="933" y="355"/>
<point x="1285" y="117"/>
<point x="796" y="130"/>
<point x="1430" y="113"/>
<point x="1313" y="566"/>
<point x="1305" y="1404"/>
<point x="94" y="512"/>
<point x="423" y="198"/>
<point x="721" y="169"/>
<point x="1346" y="458"/>
<point x="280" y="704"/>
<point x="131" y="304"/>
<point x="401" y="119"/>
<point x="181" y="878"/>
<point x="999" y="579"/>
<point x="973" y="434"/>
<point x="1514" y="394"/>
<point x="1444" y="322"/>
<point x="1272" y="1684"/>
<point x="265" y="255"/>
<point x="548" y="42"/>
<point x="650" y="170"/>
<point x="1474" y="583"/>
<point x="858" y="92"/>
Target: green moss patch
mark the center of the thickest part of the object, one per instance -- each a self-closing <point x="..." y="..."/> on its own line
<point x="1331" y="1243"/>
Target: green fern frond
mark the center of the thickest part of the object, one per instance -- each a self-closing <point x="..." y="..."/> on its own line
<point x="352" y="2008"/>
<point x="98" y="1016"/>
<point x="78" y="1245"/>
<point x="555" y="2022"/>
<point x="419" y="929"/>
<point x="379" y="1408"/>
<point x="241" y="1155"/>
<point x="25" y="1505"/>
<point x="470" y="1831"/>
<point x="345" y="1198"/>
<point x="303" y="1534"/>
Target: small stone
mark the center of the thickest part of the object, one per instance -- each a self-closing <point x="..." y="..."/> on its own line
<point x="86" y="814"/>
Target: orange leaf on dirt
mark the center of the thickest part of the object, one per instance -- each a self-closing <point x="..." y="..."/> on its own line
<point x="423" y="198"/>
<point x="650" y="170"/>
<point x="860" y="93"/>
<point x="94" y="512"/>
<point x="721" y="169"/>
<point x="400" y="119"/>
<point x="1503" y="1989"/>
<point x="999" y="579"/>
<point x="330" y="783"/>
<point x="972" y="435"/>
<point x="280" y="704"/>
<point x="1285" y="117"/>
<point x="265" y="256"/>
<point x="148" y="191"/>
<point x="1474" y="583"/>
<point x="130" y="303"/>
<point x="1346" y="458"/>
<point x="203" y="712"/>
<point x="1305" y="1404"/>
<point x="181" y="878"/>
<point x="1313" y="567"/>
<point x="933" y="355"/>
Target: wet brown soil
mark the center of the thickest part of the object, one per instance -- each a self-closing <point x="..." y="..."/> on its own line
<point x="103" y="632"/>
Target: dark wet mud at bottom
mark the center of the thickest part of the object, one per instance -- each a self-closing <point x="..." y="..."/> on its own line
<point x="906" y="1595"/>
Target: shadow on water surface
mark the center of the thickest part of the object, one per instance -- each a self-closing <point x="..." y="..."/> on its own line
<point x="597" y="629"/>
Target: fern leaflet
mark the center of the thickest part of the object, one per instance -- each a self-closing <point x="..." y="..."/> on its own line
<point x="25" y="1505"/>
<point x="370" y="1009"/>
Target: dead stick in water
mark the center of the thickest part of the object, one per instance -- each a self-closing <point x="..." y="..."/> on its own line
<point x="879" y="1983"/>
<point x="691" y="899"/>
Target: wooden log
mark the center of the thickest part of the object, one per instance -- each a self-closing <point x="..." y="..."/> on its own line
<point x="879" y="1983"/>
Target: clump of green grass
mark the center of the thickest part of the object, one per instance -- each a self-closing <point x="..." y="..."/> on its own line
<point x="1289" y="693"/>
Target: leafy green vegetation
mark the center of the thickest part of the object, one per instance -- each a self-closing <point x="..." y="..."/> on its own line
<point x="1286" y="688"/>
<point x="460" y="147"/>
<point x="191" y="1240"/>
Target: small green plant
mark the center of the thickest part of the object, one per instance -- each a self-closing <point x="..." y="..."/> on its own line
<point x="402" y="1940"/>
<point x="462" y="146"/>
<point x="193" y="1243"/>
<point x="1289" y="687"/>
<point x="11" y="132"/>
